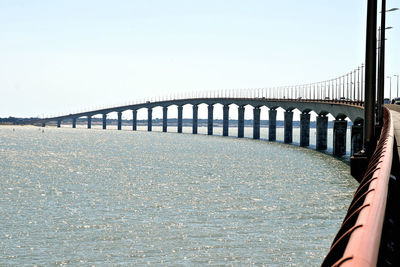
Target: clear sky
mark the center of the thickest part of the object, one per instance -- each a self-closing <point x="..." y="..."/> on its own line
<point x="61" y="56"/>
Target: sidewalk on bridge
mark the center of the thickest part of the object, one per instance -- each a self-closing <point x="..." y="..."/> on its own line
<point x="395" y="110"/>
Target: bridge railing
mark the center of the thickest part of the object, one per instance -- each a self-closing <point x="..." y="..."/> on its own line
<point x="358" y="240"/>
<point x="345" y="88"/>
<point x="348" y="87"/>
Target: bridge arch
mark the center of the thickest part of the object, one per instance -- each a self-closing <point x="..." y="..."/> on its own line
<point x="340" y="116"/>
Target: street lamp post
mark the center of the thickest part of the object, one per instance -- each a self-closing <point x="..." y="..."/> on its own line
<point x="390" y="86"/>
<point x="370" y="78"/>
<point x="397" y="76"/>
<point x="381" y="67"/>
<point x="359" y="160"/>
<point x="358" y="85"/>
<point x="354" y="85"/>
<point x="381" y="63"/>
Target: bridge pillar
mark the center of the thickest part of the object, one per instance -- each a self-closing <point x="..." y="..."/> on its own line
<point x="356" y="138"/>
<point x="339" y="137"/>
<point x="165" y="119"/>
<point x="241" y="121"/>
<point x="225" y="121"/>
<point x="195" y="118"/>
<point x="89" y="122"/>
<point x="73" y="122"/>
<point x="272" y="125"/>
<point x="180" y="113"/>
<point x="134" y="120"/>
<point x="149" y="119"/>
<point x="304" y="129"/>
<point x="288" y="127"/>
<point x="104" y="121"/>
<point x="210" y="119"/>
<point x="322" y="132"/>
<point x="358" y="160"/>
<point x="256" y="123"/>
<point x="58" y="123"/>
<point x="119" y="120"/>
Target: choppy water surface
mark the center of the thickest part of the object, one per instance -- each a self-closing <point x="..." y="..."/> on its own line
<point x="93" y="197"/>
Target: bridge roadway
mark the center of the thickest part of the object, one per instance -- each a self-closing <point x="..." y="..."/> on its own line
<point x="340" y="110"/>
<point x="395" y="111"/>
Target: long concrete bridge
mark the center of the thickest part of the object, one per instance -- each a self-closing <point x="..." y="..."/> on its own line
<point x="340" y="110"/>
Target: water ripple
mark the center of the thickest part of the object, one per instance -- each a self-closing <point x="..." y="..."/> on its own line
<point x="92" y="197"/>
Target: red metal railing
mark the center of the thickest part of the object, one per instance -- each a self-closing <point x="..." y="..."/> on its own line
<point x="358" y="240"/>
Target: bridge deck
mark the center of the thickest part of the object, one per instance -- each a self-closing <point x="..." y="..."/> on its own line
<point x="395" y="110"/>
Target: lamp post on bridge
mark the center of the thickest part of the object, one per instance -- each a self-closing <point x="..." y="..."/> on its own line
<point x="359" y="160"/>
<point x="370" y="78"/>
<point x="354" y="85"/>
<point x="390" y="86"/>
<point x="397" y="76"/>
<point x="358" y="85"/>
<point x="362" y="92"/>
<point x="381" y="64"/>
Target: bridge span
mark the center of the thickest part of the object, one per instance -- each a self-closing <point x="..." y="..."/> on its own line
<point x="340" y="110"/>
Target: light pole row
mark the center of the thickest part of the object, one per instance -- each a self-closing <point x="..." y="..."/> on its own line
<point x="373" y="89"/>
<point x="381" y="65"/>
<point x="347" y="87"/>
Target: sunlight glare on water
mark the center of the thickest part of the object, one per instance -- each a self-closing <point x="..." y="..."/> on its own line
<point x="93" y="197"/>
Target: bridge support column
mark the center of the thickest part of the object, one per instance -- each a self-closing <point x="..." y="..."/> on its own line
<point x="119" y="120"/>
<point x="356" y="138"/>
<point x="104" y="121"/>
<point x="58" y="123"/>
<point x="256" y="123"/>
<point x="339" y="137"/>
<point x="89" y="122"/>
<point x="304" y="129"/>
<point x="195" y="119"/>
<point x="210" y="119"/>
<point x="180" y="115"/>
<point x="149" y="119"/>
<point x="288" y="127"/>
<point x="225" y="121"/>
<point x="359" y="159"/>
<point x="241" y="121"/>
<point x="322" y="132"/>
<point x="73" y="122"/>
<point x="134" y="120"/>
<point x="165" y="119"/>
<point x="272" y="125"/>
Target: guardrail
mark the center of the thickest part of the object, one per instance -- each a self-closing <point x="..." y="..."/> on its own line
<point x="358" y="241"/>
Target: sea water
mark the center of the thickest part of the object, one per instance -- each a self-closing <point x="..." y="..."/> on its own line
<point x="106" y="198"/>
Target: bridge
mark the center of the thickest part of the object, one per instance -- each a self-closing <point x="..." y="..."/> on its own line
<point x="341" y="97"/>
<point x="339" y="109"/>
